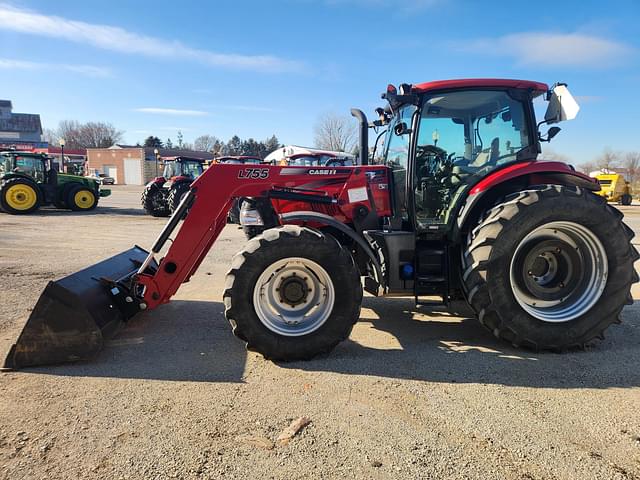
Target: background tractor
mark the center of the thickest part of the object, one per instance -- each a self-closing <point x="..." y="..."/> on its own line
<point x="458" y="209"/>
<point x="614" y="188"/>
<point x="28" y="181"/>
<point x="162" y="195"/>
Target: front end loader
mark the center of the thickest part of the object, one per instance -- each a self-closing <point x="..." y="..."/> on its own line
<point x="458" y="207"/>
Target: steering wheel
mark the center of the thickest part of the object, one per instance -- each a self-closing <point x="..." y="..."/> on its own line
<point x="432" y="150"/>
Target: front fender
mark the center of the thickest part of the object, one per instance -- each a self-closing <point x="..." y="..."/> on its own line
<point x="323" y="219"/>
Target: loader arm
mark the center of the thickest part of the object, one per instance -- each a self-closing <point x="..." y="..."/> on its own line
<point x="211" y="197"/>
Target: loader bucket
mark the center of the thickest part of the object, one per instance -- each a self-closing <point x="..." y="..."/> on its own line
<point x="74" y="316"/>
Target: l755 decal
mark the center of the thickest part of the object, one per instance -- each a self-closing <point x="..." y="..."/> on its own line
<point x="254" y="173"/>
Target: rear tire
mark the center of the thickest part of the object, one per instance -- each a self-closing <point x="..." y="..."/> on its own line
<point x="626" y="199"/>
<point x="154" y="201"/>
<point x="308" y="267"/>
<point x="592" y="267"/>
<point x="20" y="196"/>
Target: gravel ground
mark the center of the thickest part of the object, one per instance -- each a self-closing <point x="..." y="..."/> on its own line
<point x="413" y="393"/>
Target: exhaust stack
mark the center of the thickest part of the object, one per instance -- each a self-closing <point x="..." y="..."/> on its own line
<point x="364" y="135"/>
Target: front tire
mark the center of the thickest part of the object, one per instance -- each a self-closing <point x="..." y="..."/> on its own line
<point x="81" y="199"/>
<point x="550" y="268"/>
<point x="177" y="192"/>
<point x="154" y="201"/>
<point x="292" y="293"/>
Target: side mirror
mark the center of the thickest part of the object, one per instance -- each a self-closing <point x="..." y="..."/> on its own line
<point x="562" y="105"/>
<point x="401" y="129"/>
<point x="553" y="131"/>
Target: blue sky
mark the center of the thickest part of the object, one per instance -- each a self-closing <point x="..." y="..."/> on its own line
<point x="259" y="68"/>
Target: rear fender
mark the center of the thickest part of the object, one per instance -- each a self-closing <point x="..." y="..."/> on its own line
<point x="514" y="178"/>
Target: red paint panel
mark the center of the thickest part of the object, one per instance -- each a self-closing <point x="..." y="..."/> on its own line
<point x="480" y="82"/>
<point x="525" y="168"/>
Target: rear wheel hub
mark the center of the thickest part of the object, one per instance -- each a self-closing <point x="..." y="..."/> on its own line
<point x="558" y="271"/>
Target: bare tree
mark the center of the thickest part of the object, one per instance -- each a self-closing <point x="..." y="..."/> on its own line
<point x="550" y="154"/>
<point x="587" y="167"/>
<point x="205" y="143"/>
<point x="607" y="159"/>
<point x="85" y="135"/>
<point x="632" y="164"/>
<point x="334" y="132"/>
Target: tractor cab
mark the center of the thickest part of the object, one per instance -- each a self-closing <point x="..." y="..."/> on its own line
<point x="190" y="168"/>
<point x="34" y="165"/>
<point x="443" y="138"/>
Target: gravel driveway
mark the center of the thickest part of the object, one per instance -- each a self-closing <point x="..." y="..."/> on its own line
<point x="414" y="393"/>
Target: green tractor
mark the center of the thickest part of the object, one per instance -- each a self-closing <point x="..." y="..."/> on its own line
<point x="28" y="180"/>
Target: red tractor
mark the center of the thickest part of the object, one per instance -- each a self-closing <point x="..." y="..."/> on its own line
<point x="162" y="195"/>
<point x="460" y="208"/>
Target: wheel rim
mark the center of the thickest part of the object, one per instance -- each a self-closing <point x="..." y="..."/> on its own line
<point x="21" y="197"/>
<point x="558" y="271"/>
<point x="84" y="199"/>
<point x="293" y="296"/>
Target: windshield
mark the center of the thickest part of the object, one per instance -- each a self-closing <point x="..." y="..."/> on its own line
<point x="396" y="156"/>
<point x="191" y="169"/>
<point x="170" y="169"/>
<point x="4" y="164"/>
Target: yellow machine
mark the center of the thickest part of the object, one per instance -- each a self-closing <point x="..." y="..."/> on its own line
<point x="614" y="188"/>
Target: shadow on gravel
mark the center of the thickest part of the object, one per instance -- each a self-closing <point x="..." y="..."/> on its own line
<point x="447" y="349"/>
<point x="183" y="340"/>
<point x="192" y="341"/>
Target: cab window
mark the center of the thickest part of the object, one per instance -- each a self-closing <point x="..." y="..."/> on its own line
<point x="462" y="137"/>
<point x="30" y="166"/>
<point x="397" y="156"/>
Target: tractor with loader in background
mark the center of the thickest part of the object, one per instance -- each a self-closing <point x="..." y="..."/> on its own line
<point x="459" y="208"/>
<point x="29" y="181"/>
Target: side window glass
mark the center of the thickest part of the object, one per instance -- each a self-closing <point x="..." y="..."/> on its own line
<point x="397" y="157"/>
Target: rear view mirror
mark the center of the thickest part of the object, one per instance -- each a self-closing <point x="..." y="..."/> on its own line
<point x="401" y="129"/>
<point x="562" y="105"/>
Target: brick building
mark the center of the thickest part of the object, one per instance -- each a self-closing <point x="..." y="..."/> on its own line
<point x="132" y="165"/>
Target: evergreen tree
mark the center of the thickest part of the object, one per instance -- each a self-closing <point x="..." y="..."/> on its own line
<point x="152" y="141"/>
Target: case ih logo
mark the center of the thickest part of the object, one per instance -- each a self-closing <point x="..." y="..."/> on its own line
<point x="321" y="172"/>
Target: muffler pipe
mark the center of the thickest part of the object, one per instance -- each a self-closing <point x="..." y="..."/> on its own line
<point x="364" y="135"/>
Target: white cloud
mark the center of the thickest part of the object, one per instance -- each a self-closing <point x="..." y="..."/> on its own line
<point x="552" y="49"/>
<point x="87" y="70"/>
<point x="120" y="40"/>
<point x="171" y="111"/>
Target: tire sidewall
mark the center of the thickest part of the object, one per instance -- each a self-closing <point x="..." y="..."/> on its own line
<point x="19" y="180"/>
<point x="70" y="201"/>
<point x="147" y="201"/>
<point x="549" y="209"/>
<point x="326" y="252"/>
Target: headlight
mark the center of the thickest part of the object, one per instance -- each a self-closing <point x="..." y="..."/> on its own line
<point x="250" y="218"/>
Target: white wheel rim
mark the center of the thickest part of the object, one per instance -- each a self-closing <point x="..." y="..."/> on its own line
<point x="571" y="270"/>
<point x="294" y="296"/>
